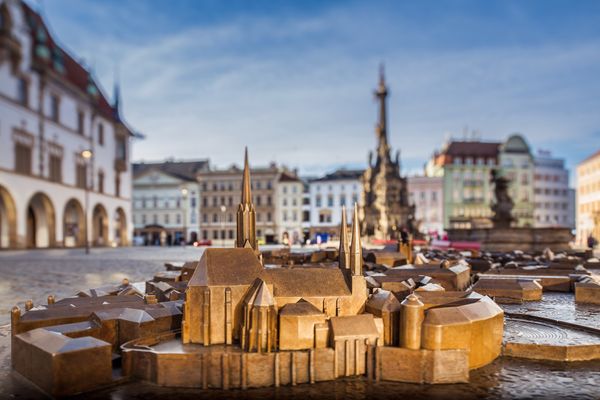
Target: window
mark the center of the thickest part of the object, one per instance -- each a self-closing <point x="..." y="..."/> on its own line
<point x="215" y="234"/>
<point x="101" y="134"/>
<point x="330" y="200"/>
<point x="178" y="219"/>
<point x="285" y="216"/>
<point x="284" y="189"/>
<point x="23" y="92"/>
<point x="284" y="201"/>
<point x="205" y="234"/>
<point x="269" y="200"/>
<point x="54" y="108"/>
<point x="215" y="218"/>
<point x="22" y="158"/>
<point x="55" y="168"/>
<point x="204" y="202"/>
<point x="305" y="216"/>
<point x="230" y="234"/>
<point x="205" y="218"/>
<point x="166" y="219"/>
<point x="101" y="182"/>
<point x="144" y="219"/>
<point x="294" y="216"/>
<point x="155" y="201"/>
<point x="318" y="200"/>
<point x="80" y="122"/>
<point x="81" y="176"/>
<point x="118" y="185"/>
<point x="343" y="200"/>
<point x="121" y="149"/>
<point x="268" y="217"/>
<point x="193" y="201"/>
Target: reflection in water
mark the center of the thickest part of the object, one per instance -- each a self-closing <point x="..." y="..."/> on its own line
<point x="504" y="378"/>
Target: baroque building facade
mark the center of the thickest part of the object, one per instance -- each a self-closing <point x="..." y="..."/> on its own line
<point x="426" y="194"/>
<point x="385" y="209"/>
<point x="65" y="176"/>
<point x="588" y="199"/>
<point x="166" y="202"/>
<point x="220" y="195"/>
<point x="327" y="197"/>
<point x="554" y="200"/>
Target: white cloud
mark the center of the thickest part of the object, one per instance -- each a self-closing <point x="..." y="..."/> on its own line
<point x="207" y="91"/>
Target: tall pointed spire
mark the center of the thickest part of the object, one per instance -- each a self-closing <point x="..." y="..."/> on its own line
<point x="117" y="98"/>
<point x="344" y="243"/>
<point x="381" y="94"/>
<point x="356" y="260"/>
<point x="246" y="182"/>
<point x="246" y="216"/>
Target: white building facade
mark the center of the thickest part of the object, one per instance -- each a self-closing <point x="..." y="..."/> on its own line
<point x="588" y="199"/>
<point x="166" y="202"/>
<point x="553" y="199"/>
<point x="288" y="209"/>
<point x="327" y="196"/>
<point x="58" y="137"/>
<point x="426" y="194"/>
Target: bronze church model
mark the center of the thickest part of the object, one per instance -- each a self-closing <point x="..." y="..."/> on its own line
<point x="234" y="319"/>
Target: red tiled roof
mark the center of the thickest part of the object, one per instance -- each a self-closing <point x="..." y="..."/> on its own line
<point x="597" y="153"/>
<point x="73" y="72"/>
<point x="472" y="149"/>
<point x="285" y="177"/>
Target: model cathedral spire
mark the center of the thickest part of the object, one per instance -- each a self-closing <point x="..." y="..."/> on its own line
<point x="351" y="252"/>
<point x="246" y="215"/>
<point x="385" y="209"/>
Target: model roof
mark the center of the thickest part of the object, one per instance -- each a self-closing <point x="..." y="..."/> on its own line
<point x="227" y="267"/>
<point x="308" y="282"/>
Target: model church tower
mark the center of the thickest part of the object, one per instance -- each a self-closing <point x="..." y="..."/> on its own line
<point x="246" y="215"/>
<point x="385" y="210"/>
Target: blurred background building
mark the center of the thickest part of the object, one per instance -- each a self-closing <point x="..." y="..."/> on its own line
<point x="588" y="199"/>
<point x="554" y="200"/>
<point x="290" y="193"/>
<point x="65" y="175"/>
<point x="464" y="167"/>
<point x="166" y="202"/>
<point x="426" y="194"/>
<point x="220" y="192"/>
<point x="327" y="196"/>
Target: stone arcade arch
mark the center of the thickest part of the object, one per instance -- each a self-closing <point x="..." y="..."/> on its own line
<point x="99" y="226"/>
<point x="41" y="227"/>
<point x="73" y="224"/>
<point x="120" y="227"/>
<point x="8" y="220"/>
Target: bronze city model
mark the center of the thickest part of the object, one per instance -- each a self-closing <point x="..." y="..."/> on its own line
<point x="231" y="320"/>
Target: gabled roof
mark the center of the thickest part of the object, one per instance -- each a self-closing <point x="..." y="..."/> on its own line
<point x="72" y="71"/>
<point x="287" y="177"/>
<point x="302" y="307"/>
<point x="341" y="174"/>
<point x="227" y="267"/>
<point x="308" y="282"/>
<point x="472" y="149"/>
<point x="186" y="170"/>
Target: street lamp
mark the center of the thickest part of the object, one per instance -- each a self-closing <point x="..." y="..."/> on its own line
<point x="223" y="210"/>
<point x="184" y="193"/>
<point x="87" y="156"/>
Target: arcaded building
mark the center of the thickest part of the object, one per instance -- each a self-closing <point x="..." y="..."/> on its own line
<point x="59" y="138"/>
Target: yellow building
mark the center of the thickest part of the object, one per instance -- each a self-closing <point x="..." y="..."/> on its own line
<point x="588" y="199"/>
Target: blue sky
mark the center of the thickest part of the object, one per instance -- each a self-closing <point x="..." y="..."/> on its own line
<point x="293" y="80"/>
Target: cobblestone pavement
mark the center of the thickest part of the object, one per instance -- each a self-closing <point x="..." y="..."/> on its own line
<point x="36" y="274"/>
